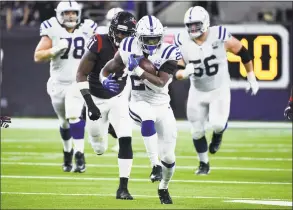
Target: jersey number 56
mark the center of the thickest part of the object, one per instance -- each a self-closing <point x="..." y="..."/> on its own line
<point x="211" y="69"/>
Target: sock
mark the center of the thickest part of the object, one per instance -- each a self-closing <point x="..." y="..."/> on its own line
<point x="201" y="147"/>
<point x="123" y="183"/>
<point x="125" y="157"/>
<point x="167" y="172"/>
<point x="66" y="139"/>
<point x="77" y="132"/>
<point x="150" y="138"/>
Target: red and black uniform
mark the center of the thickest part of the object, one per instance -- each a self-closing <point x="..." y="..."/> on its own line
<point x="104" y="50"/>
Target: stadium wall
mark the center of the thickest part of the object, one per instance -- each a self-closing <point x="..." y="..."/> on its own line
<point x="24" y="86"/>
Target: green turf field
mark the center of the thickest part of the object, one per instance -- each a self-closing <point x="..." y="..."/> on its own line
<point x="253" y="165"/>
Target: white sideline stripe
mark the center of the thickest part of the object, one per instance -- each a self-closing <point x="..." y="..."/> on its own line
<point x="254" y="145"/>
<point x="113" y="195"/>
<point x="140" y="180"/>
<point x="146" y="166"/>
<point x="264" y="202"/>
<point x="29" y="123"/>
<point x="144" y="155"/>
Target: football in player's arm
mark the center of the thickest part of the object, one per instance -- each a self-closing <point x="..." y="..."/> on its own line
<point x="234" y="46"/>
<point x="288" y="111"/>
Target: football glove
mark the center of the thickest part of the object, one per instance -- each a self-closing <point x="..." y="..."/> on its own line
<point x="61" y="45"/>
<point x="94" y="112"/>
<point x="111" y="84"/>
<point x="288" y="111"/>
<point x="133" y="62"/>
<point x="252" y="83"/>
<point x="4" y="122"/>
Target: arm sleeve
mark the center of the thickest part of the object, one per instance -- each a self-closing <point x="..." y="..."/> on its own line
<point x="169" y="67"/>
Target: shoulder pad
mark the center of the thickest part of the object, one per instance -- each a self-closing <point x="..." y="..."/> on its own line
<point x="223" y="33"/>
<point x="90" y="25"/>
<point x="178" y="39"/>
<point x="171" y="52"/>
<point x="126" y="44"/>
<point x="46" y="27"/>
<point x="95" y="43"/>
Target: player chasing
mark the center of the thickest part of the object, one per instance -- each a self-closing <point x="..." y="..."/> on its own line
<point x="205" y="63"/>
<point x="107" y="102"/>
<point x="149" y="106"/>
<point x="63" y="44"/>
<point x="288" y="113"/>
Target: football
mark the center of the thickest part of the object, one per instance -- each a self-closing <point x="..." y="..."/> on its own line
<point x="148" y="66"/>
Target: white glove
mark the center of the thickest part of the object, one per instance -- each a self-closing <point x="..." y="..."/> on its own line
<point x="252" y="83"/>
<point x="61" y="45"/>
<point x="189" y="69"/>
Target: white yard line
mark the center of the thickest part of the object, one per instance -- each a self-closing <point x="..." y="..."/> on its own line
<point x="140" y="180"/>
<point x="262" y="202"/>
<point x="147" y="166"/>
<point x="144" y="196"/>
<point x="139" y="155"/>
<point x="29" y="123"/>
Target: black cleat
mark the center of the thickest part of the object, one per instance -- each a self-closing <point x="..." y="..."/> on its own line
<point x="164" y="196"/>
<point x="203" y="169"/>
<point x="156" y="174"/>
<point x="79" y="162"/>
<point x="67" y="161"/>
<point x="215" y="143"/>
<point x="123" y="194"/>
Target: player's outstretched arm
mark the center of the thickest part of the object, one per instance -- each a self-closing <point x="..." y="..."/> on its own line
<point x="234" y="46"/>
<point x="114" y="65"/>
<point x="86" y="65"/>
<point x="184" y="71"/>
<point x="44" y="50"/>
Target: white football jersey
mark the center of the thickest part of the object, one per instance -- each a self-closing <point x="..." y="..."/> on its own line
<point x="102" y="30"/>
<point x="64" y="66"/>
<point x="209" y="59"/>
<point x="140" y="91"/>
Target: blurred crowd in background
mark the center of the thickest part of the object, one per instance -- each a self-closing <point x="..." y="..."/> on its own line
<point x="32" y="13"/>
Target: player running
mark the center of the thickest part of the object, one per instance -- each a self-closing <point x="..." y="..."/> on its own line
<point x="103" y="105"/>
<point x="205" y="61"/>
<point x="149" y="106"/>
<point x="63" y="44"/>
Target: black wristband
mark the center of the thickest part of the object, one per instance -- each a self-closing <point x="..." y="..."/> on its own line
<point x="87" y="97"/>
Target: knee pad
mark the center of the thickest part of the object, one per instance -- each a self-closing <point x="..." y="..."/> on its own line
<point x="168" y="158"/>
<point x="220" y="127"/>
<point x="65" y="134"/>
<point x="98" y="144"/>
<point x="125" y="148"/>
<point x="148" y="128"/>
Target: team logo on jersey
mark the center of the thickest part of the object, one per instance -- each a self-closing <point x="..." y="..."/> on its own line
<point x="215" y="45"/>
<point x="157" y="64"/>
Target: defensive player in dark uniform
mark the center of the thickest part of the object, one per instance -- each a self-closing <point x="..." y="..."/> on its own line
<point x="105" y="106"/>
<point x="288" y="111"/>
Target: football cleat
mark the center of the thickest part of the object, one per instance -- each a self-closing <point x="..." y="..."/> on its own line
<point x="67" y="161"/>
<point x="164" y="196"/>
<point x="156" y="174"/>
<point x="79" y="162"/>
<point x="203" y="169"/>
<point x="215" y="143"/>
<point x="123" y="194"/>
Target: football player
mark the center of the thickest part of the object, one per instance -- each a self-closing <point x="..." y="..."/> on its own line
<point x="288" y="111"/>
<point x="205" y="63"/>
<point x="104" y="29"/>
<point x="149" y="104"/>
<point x="63" y="40"/>
<point x="103" y="105"/>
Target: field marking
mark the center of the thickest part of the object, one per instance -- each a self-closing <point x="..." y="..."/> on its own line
<point x="244" y="145"/>
<point x="144" y="196"/>
<point x="264" y="202"/>
<point x="139" y="180"/>
<point x="147" y="166"/>
<point x="143" y="155"/>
